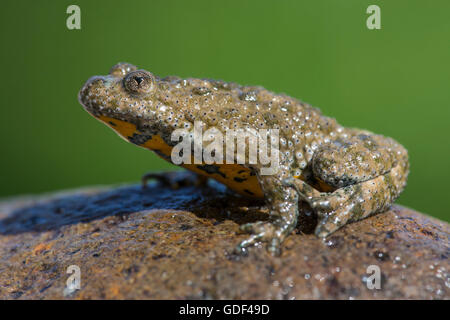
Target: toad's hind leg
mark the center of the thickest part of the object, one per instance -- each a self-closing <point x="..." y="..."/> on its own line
<point x="369" y="172"/>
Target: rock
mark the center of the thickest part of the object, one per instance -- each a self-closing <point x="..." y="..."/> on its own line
<point x="159" y="243"/>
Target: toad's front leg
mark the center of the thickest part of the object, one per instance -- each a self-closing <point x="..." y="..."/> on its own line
<point x="283" y="205"/>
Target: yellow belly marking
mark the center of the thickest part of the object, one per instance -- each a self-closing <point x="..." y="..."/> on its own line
<point x="234" y="176"/>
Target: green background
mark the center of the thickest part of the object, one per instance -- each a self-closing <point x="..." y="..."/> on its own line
<point x="393" y="81"/>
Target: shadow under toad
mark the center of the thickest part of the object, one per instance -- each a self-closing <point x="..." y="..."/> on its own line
<point x="212" y="201"/>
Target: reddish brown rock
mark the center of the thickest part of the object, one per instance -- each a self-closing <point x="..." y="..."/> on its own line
<point x="160" y="243"/>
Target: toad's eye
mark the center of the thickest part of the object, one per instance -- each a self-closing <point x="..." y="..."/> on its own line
<point x="138" y="82"/>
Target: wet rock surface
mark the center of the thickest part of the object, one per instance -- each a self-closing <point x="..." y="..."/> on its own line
<point x="159" y="243"/>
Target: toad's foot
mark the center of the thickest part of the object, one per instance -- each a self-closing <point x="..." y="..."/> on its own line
<point x="175" y="180"/>
<point x="283" y="206"/>
<point x="272" y="233"/>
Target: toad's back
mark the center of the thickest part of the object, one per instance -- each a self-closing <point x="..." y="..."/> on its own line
<point x="225" y="106"/>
